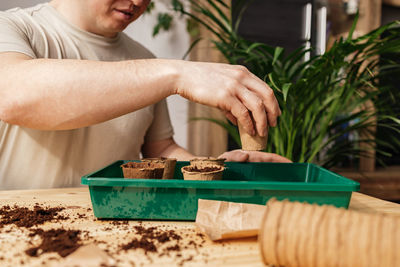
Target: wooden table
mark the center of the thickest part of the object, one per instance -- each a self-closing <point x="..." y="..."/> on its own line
<point x="108" y="236"/>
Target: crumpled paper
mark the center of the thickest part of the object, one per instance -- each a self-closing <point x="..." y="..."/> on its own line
<point x="87" y="256"/>
<point x="228" y="220"/>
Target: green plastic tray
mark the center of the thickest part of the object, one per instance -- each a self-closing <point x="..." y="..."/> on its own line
<point x="115" y="197"/>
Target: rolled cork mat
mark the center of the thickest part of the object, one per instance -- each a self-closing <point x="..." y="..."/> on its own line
<point x="300" y="234"/>
<point x="201" y="162"/>
<point x="145" y="170"/>
<point x="250" y="142"/>
<point x="204" y="173"/>
<point x="169" y="166"/>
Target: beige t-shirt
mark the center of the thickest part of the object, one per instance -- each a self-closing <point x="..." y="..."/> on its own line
<point x="45" y="159"/>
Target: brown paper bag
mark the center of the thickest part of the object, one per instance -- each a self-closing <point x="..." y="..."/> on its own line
<point x="226" y="220"/>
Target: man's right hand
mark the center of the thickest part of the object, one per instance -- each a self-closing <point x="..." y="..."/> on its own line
<point x="233" y="89"/>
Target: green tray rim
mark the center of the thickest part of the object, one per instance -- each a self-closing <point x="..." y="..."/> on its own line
<point x="345" y="185"/>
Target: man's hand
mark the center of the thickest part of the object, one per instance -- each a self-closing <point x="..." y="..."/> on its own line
<point x="253" y="156"/>
<point x="169" y="149"/>
<point x="234" y="90"/>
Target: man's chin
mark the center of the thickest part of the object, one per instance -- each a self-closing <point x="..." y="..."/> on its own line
<point x="114" y="29"/>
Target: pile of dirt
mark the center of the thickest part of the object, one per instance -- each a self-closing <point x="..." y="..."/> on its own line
<point x="61" y="241"/>
<point x="24" y="217"/>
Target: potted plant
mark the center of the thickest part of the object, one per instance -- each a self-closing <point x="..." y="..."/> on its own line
<point x="323" y="99"/>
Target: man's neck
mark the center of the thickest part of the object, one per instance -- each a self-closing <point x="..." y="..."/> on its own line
<point x="74" y="12"/>
<point x="70" y="11"/>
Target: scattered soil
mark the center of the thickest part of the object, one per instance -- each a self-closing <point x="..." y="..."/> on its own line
<point x="143" y="243"/>
<point x="119" y="222"/>
<point x="182" y="262"/>
<point x="174" y="248"/>
<point x="24" y="217"/>
<point x="82" y="216"/>
<point x="62" y="241"/>
<point x="203" y="169"/>
<point x="154" y="233"/>
<point x="150" y="237"/>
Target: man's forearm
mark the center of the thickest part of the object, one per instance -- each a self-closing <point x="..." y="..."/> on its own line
<point x="66" y="94"/>
<point x="52" y="94"/>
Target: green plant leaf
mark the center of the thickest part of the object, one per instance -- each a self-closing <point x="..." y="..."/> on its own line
<point x="277" y="53"/>
<point x="164" y="22"/>
<point x="285" y="90"/>
<point x="150" y="8"/>
<point x="192" y="45"/>
<point x="353" y="27"/>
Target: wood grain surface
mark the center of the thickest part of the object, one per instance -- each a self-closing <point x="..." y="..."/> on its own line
<point x="109" y="236"/>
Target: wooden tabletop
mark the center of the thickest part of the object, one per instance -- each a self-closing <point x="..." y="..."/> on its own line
<point x="109" y="236"/>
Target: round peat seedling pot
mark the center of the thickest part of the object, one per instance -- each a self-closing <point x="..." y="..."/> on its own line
<point x="202" y="173"/>
<point x="252" y="143"/>
<point x="169" y="166"/>
<point x="143" y="170"/>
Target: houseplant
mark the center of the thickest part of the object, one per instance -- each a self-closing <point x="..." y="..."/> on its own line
<point x="323" y="99"/>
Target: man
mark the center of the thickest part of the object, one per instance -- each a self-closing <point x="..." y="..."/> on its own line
<point x="77" y="94"/>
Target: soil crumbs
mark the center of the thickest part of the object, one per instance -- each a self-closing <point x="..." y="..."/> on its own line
<point x="24" y="217"/>
<point x="156" y="241"/>
<point x="62" y="241"/>
<point x="151" y="241"/>
<point x="150" y="237"/>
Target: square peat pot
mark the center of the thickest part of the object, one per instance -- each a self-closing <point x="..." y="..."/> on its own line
<point x="151" y="199"/>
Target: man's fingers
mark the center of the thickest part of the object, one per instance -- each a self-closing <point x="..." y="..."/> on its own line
<point x="242" y="115"/>
<point x="230" y="117"/>
<point x="255" y="84"/>
<point x="274" y="114"/>
<point x="257" y="156"/>
<point x="235" y="155"/>
<point x="257" y="108"/>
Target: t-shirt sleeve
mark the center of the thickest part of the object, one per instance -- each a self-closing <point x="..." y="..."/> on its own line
<point x="14" y="35"/>
<point x="161" y="127"/>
